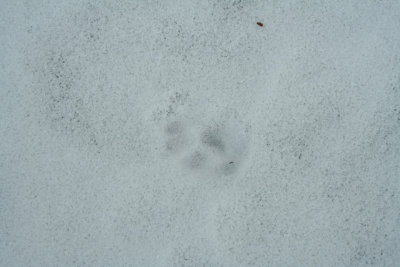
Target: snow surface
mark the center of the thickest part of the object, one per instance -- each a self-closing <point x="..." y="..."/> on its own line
<point x="181" y="133"/>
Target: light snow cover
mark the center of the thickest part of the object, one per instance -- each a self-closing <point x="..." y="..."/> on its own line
<point x="183" y="133"/>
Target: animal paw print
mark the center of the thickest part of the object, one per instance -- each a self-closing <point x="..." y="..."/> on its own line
<point x="219" y="147"/>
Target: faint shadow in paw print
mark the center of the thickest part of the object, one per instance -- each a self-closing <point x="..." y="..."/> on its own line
<point x="175" y="136"/>
<point x="228" y="168"/>
<point x="211" y="137"/>
<point x="197" y="160"/>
